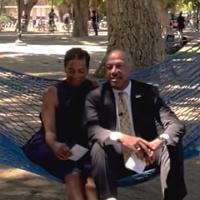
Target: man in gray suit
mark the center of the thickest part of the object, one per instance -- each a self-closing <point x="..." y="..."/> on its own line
<point x="108" y="142"/>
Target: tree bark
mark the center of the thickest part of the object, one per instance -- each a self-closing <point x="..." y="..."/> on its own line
<point x="26" y="9"/>
<point x="1" y="6"/>
<point x="81" y="16"/>
<point x="161" y="6"/>
<point x="134" y="26"/>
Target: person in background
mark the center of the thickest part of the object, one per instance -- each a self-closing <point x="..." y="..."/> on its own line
<point x="52" y="24"/>
<point x="66" y="21"/>
<point x="61" y="117"/>
<point x="95" y="21"/>
<point x="181" y="24"/>
<point x="66" y="18"/>
<point x="120" y="119"/>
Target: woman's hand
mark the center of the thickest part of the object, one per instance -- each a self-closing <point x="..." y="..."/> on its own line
<point x="61" y="150"/>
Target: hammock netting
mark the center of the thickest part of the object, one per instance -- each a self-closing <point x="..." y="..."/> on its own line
<point x="178" y="78"/>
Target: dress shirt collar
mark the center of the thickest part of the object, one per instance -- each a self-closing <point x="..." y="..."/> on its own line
<point x="127" y="90"/>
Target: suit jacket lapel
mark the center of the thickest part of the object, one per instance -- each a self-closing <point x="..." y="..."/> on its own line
<point x="110" y="103"/>
<point x="135" y="99"/>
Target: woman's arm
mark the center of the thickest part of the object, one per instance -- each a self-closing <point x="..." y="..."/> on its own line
<point x="50" y="102"/>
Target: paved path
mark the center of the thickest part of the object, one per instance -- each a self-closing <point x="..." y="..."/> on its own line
<point x="43" y="57"/>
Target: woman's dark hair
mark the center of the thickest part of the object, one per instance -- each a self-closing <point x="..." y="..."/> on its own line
<point x="77" y="53"/>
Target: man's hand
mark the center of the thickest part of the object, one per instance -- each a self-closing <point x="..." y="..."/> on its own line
<point x="138" y="145"/>
<point x="156" y="144"/>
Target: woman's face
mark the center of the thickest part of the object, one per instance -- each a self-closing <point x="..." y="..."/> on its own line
<point x="76" y="72"/>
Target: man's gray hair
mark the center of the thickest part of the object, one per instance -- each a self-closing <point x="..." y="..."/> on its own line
<point x="127" y="55"/>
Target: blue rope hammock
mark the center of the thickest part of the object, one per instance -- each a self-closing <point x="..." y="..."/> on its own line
<point x="178" y="78"/>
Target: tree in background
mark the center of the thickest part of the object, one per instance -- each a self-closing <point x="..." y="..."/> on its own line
<point x="26" y="7"/>
<point x="80" y="12"/>
<point x="81" y="16"/>
<point x="172" y="3"/>
<point x="2" y="3"/>
<point x="196" y="11"/>
<point x="192" y="7"/>
<point x="135" y="27"/>
<point x="162" y="14"/>
<point x="63" y="7"/>
<point x="99" y="6"/>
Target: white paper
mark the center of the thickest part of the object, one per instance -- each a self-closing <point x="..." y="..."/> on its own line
<point x="78" y="152"/>
<point x="136" y="164"/>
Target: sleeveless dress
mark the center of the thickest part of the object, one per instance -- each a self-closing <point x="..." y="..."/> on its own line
<point x="68" y="130"/>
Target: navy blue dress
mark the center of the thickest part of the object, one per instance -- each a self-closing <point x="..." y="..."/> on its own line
<point x="68" y="130"/>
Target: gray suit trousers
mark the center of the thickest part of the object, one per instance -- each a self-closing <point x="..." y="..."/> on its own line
<point x="108" y="166"/>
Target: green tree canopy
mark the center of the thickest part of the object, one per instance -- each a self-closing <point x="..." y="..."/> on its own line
<point x="59" y="3"/>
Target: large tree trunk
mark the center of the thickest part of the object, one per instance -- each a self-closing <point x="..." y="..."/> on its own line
<point x="161" y="6"/>
<point x="81" y="16"/>
<point x="2" y="6"/>
<point x="26" y="9"/>
<point x="134" y="26"/>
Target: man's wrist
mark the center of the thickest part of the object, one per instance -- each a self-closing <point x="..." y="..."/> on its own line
<point x="164" y="137"/>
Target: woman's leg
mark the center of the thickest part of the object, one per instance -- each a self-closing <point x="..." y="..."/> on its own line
<point x="75" y="186"/>
<point x="90" y="189"/>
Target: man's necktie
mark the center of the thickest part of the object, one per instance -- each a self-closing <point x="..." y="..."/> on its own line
<point x="124" y="120"/>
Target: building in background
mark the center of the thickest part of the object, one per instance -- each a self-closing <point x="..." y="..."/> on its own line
<point x="41" y="9"/>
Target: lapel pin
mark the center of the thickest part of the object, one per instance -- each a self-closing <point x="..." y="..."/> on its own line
<point x="138" y="96"/>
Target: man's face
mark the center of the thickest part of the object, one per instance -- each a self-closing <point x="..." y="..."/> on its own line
<point x="118" y="70"/>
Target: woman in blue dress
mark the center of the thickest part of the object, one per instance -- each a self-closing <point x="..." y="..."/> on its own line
<point x="61" y="118"/>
